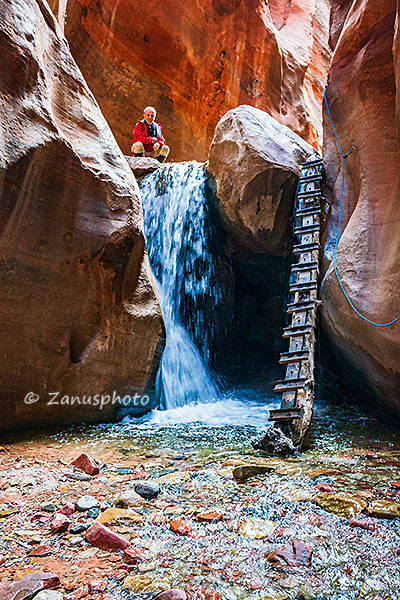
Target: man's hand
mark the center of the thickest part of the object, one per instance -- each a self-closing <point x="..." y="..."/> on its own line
<point x="156" y="146"/>
<point x="153" y="140"/>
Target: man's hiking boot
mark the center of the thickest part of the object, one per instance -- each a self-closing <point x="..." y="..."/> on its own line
<point x="137" y="154"/>
<point x="161" y="159"/>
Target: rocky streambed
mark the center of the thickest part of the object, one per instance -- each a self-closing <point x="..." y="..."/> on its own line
<point x="203" y="512"/>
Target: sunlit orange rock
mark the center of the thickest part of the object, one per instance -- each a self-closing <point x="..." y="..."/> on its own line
<point x="195" y="61"/>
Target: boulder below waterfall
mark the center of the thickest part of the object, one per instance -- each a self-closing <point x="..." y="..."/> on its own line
<point x="255" y="162"/>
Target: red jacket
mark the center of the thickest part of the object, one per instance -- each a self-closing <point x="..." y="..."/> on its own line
<point x="140" y="135"/>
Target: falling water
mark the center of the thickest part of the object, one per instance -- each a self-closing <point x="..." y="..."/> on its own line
<point x="175" y="215"/>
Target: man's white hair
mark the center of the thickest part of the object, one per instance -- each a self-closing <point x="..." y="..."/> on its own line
<point x="150" y="108"/>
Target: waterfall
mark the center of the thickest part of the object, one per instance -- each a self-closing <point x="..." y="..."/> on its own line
<point x="180" y="251"/>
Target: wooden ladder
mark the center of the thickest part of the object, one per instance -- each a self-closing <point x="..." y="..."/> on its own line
<point x="297" y="388"/>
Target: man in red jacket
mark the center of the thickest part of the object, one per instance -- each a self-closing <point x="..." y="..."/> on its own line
<point x="148" y="139"/>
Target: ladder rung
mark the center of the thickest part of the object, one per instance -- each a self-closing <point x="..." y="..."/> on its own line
<point x="302" y="305"/>
<point x="304" y="212"/>
<point x="287" y="385"/>
<point x="305" y="266"/>
<point x="312" y="161"/>
<point x="305" y="248"/>
<point x="310" y="177"/>
<point x="306" y="229"/>
<point x="302" y="287"/>
<point x="284" y="414"/>
<point x="296" y="331"/>
<point x="310" y="194"/>
<point x="288" y="357"/>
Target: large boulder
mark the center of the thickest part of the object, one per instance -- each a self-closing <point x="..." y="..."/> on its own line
<point x="196" y="60"/>
<point x="363" y="94"/>
<point x="78" y="313"/>
<point x="255" y="161"/>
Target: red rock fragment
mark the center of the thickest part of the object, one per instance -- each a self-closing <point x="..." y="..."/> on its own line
<point x="196" y="592"/>
<point x="173" y="594"/>
<point x="211" y="516"/>
<point x="2" y="559"/>
<point x="292" y="554"/>
<point x="43" y="550"/>
<point x="133" y="556"/>
<point x="324" y="487"/>
<point x="28" y="586"/>
<point x="80" y="592"/>
<point x="68" y="509"/>
<point x="102" y="537"/>
<point x="97" y="585"/>
<point x="41" y="517"/>
<point x="180" y="526"/>
<point x="395" y="484"/>
<point x="60" y="523"/>
<point x="366" y="524"/>
<point x="85" y="463"/>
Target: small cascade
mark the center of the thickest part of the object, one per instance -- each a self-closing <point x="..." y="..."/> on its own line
<point x="178" y="236"/>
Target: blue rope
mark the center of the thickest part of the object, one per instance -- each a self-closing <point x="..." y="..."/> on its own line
<point x="345" y="156"/>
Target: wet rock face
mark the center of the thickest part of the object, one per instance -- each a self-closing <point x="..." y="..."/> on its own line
<point x="196" y="61"/>
<point x="365" y="61"/>
<point x="78" y="312"/>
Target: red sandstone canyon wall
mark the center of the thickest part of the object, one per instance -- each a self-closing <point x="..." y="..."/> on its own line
<point x="77" y="309"/>
<point x="364" y="100"/>
<point x="195" y="61"/>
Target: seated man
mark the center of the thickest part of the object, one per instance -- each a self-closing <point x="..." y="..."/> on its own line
<point x="148" y="139"/>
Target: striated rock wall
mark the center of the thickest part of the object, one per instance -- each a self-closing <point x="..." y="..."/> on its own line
<point x="195" y="61"/>
<point x="78" y="312"/>
<point x="364" y="100"/>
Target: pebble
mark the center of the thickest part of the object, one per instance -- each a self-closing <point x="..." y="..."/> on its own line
<point x="49" y="595"/>
<point x="86" y="503"/>
<point x="79" y="528"/>
<point x="256" y="528"/>
<point x="2" y="559"/>
<point x="292" y="554"/>
<point x="68" y="509"/>
<point x="180" y="526"/>
<point x="60" y="523"/>
<point x="147" y="489"/>
<point x="383" y="509"/>
<point x="43" y="550"/>
<point x="93" y="513"/>
<point x="86" y="463"/>
<point x="174" y="478"/>
<point x="144" y="584"/>
<point x="245" y="472"/>
<point x="102" y="537"/>
<point x="133" y="556"/>
<point x="28" y="586"/>
<point x="210" y="517"/>
<point x="48" y="507"/>
<point x="128" y="499"/>
<point x="366" y="524"/>
<point x="341" y="504"/>
<point x="77" y="476"/>
<point x="111" y="515"/>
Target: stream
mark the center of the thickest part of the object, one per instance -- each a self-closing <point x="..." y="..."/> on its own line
<point x="207" y="532"/>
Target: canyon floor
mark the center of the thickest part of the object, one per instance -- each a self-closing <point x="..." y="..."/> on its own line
<point x="214" y="530"/>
